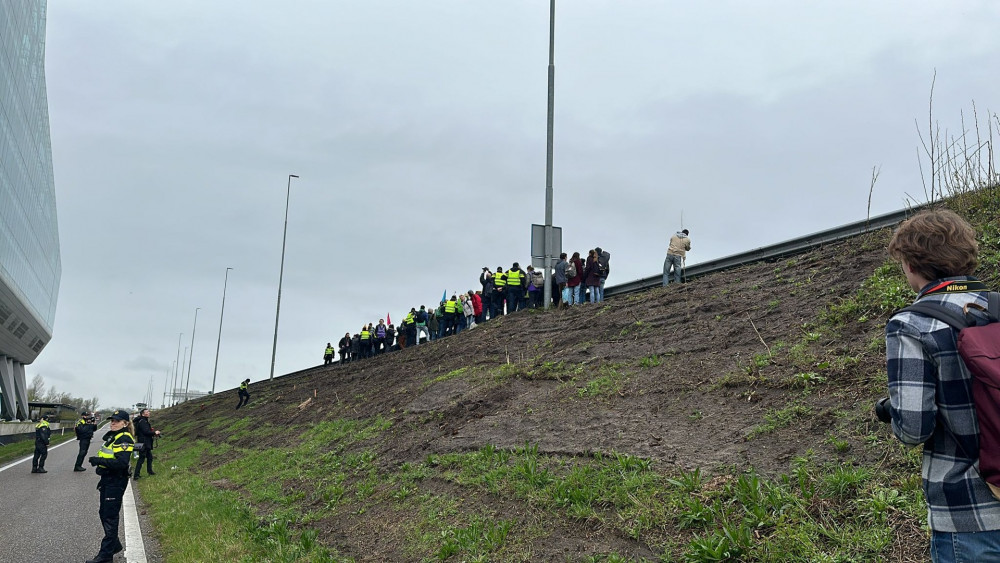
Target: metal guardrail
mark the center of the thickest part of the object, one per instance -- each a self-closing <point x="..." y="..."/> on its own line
<point x="772" y="252"/>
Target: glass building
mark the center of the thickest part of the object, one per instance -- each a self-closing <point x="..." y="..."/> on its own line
<point x="30" y="266"/>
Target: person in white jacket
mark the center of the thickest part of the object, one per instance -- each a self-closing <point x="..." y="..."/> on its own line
<point x="676" y="252"/>
<point x="470" y="312"/>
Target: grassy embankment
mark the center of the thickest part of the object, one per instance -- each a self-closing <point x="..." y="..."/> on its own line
<point x="244" y="509"/>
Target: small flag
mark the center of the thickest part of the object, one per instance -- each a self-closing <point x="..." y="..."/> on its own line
<point x="444" y="296"/>
<point x="388" y="321"/>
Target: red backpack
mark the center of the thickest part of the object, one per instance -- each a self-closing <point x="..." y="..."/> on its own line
<point x="979" y="346"/>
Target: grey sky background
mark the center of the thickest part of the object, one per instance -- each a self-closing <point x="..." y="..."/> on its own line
<point x="418" y="131"/>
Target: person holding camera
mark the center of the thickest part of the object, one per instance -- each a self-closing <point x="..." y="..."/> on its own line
<point x="112" y="463"/>
<point x="930" y="399"/>
<point x="144" y="434"/>
<point x="85" y="428"/>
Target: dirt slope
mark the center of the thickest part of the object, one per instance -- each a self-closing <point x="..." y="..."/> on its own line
<point x="683" y="375"/>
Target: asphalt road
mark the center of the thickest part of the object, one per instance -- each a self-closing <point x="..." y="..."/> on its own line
<point x="51" y="517"/>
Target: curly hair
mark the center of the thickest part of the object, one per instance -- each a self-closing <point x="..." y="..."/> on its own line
<point x="936" y="244"/>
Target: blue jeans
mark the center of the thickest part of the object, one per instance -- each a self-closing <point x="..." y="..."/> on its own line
<point x="575" y="292"/>
<point x="676" y="262"/>
<point x="600" y="290"/>
<point x="965" y="547"/>
<point x="595" y="293"/>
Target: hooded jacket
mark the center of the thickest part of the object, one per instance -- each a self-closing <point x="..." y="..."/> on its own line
<point x="679" y="244"/>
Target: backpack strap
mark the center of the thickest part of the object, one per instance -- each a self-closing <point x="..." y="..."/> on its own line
<point x="939" y="312"/>
<point x="993" y="309"/>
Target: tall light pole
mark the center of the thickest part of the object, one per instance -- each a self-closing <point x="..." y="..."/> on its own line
<point x="219" y="342"/>
<point x="177" y="362"/>
<point x="547" y="291"/>
<point x="281" y="275"/>
<point x="188" y="383"/>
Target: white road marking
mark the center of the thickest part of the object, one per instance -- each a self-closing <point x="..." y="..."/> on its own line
<point x="135" y="549"/>
<point x="12" y="464"/>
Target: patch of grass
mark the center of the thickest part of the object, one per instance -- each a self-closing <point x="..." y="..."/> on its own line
<point x="811" y="514"/>
<point x="609" y="381"/>
<point x="451" y="374"/>
<point x="779" y="418"/>
<point x="649" y="361"/>
<point x="883" y="292"/>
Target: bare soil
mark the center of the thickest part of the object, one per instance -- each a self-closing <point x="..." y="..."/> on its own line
<point x="694" y="409"/>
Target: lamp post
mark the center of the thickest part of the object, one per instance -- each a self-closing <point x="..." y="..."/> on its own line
<point x="281" y="275"/>
<point x="219" y="341"/>
<point x="188" y="382"/>
<point x="547" y="291"/>
<point x="177" y="362"/>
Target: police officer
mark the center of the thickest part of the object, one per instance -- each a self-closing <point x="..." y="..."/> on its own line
<point x="328" y="355"/>
<point x="84" y="433"/>
<point x="144" y="434"/>
<point x="42" y="433"/>
<point x="112" y="463"/>
<point x="244" y="394"/>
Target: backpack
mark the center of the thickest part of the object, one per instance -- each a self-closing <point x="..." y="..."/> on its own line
<point x="979" y="347"/>
<point x="602" y="269"/>
<point x="421" y="317"/>
<point x="571" y="269"/>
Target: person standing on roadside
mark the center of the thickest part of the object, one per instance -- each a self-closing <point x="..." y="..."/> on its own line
<point x="84" y="434"/>
<point x="144" y="434"/>
<point x="931" y="389"/>
<point x="42" y="434"/>
<point x="328" y="355"/>
<point x="603" y="269"/>
<point x="680" y="244"/>
<point x="112" y="464"/>
<point x="559" y="275"/>
<point x="244" y="393"/>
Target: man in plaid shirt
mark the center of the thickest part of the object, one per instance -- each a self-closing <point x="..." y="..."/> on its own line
<point x="930" y="389"/>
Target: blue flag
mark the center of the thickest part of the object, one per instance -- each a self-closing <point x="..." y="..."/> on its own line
<point x="444" y="296"/>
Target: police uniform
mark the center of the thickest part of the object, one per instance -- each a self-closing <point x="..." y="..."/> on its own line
<point x="42" y="434"/>
<point x="328" y="355"/>
<point x="84" y="433"/>
<point x="244" y="394"/>
<point x="112" y="463"/>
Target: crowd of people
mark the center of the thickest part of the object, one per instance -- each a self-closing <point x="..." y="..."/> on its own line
<point x="573" y="281"/>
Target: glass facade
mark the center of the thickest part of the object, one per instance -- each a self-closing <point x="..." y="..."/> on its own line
<point x="30" y="266"/>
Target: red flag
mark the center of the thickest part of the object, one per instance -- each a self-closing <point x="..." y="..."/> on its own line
<point x="388" y="321"/>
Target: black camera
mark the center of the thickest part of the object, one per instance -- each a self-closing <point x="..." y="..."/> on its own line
<point x="882" y="410"/>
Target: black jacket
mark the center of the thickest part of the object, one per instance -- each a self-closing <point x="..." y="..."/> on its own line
<point x="144" y="433"/>
<point x="42" y="434"/>
<point x="85" y="430"/>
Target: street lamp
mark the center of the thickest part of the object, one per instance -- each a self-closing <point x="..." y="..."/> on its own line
<point x="177" y="362"/>
<point x="547" y="290"/>
<point x="281" y="274"/>
<point x="188" y="382"/>
<point x="219" y="342"/>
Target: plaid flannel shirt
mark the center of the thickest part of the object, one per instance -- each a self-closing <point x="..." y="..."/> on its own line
<point x="930" y="395"/>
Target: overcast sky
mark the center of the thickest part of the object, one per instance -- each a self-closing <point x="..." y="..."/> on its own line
<point x="418" y="133"/>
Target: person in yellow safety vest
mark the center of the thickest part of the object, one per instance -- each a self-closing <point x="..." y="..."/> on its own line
<point x="366" y="341"/>
<point x="42" y="434"/>
<point x="112" y="464"/>
<point x="515" y="288"/>
<point x="244" y="393"/>
<point x="328" y="355"/>
<point x="449" y="309"/>
<point x="499" y="282"/>
<point x="410" y="327"/>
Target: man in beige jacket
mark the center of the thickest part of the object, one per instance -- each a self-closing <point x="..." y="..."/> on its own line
<point x="679" y="245"/>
